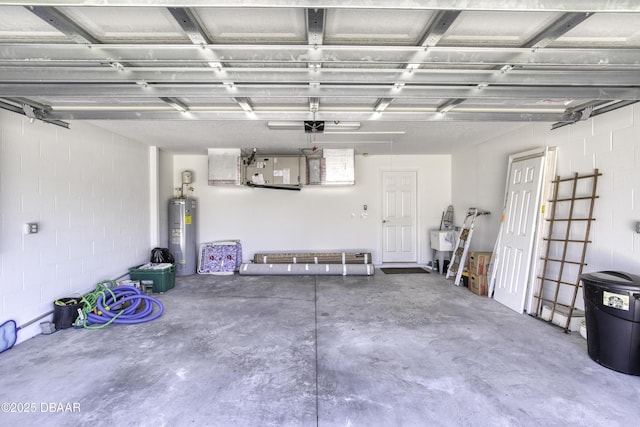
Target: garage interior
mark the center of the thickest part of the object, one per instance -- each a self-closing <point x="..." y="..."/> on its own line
<point x="104" y="104"/>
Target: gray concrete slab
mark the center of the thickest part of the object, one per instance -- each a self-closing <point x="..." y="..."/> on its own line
<point x="387" y="350"/>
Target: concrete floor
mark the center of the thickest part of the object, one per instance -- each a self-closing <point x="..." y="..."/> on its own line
<point x="387" y="350"/>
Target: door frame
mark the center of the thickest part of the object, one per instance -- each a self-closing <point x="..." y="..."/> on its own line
<point x="416" y="235"/>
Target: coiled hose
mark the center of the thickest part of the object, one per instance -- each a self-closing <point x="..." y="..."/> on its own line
<point x="108" y="304"/>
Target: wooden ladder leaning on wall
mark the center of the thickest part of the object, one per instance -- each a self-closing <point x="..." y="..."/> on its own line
<point x="557" y="264"/>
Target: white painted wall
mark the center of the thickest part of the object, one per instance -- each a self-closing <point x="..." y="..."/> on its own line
<point x="165" y="193"/>
<point x="608" y="142"/>
<point x="316" y="218"/>
<point x="88" y="189"/>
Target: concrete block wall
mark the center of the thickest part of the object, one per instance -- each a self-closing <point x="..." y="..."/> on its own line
<point x="608" y="142"/>
<point x="88" y="190"/>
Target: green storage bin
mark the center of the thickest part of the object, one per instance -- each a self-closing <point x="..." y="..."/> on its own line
<point x="162" y="280"/>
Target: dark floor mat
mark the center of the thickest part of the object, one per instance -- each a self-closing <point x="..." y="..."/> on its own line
<point x="403" y="270"/>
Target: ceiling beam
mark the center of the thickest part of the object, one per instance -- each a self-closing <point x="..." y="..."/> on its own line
<point x="561" y="26"/>
<point x="187" y="20"/>
<point x="64" y="24"/>
<point x="73" y="31"/>
<point x="217" y="90"/>
<point x="438" y="26"/>
<point x="315" y="26"/>
<point x="171" y="114"/>
<point x="315" y="37"/>
<point x="198" y="53"/>
<point x="519" y="5"/>
<point x="196" y="75"/>
<point x="189" y="54"/>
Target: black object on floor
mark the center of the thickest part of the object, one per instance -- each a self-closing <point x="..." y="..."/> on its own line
<point x="403" y="270"/>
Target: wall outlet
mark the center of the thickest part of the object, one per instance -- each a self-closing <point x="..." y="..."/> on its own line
<point x="30" y="228"/>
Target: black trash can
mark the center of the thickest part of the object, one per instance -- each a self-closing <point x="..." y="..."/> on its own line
<point x="65" y="312"/>
<point x="612" y="309"/>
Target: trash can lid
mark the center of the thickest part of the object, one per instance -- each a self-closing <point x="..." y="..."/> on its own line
<point x="614" y="278"/>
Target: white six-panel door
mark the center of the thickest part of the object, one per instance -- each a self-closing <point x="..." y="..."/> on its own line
<point x="399" y="216"/>
<point x="518" y="231"/>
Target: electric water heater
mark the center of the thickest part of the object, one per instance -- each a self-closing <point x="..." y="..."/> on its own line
<point x="182" y="235"/>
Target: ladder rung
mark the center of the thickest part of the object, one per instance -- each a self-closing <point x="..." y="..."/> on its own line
<point x="566" y="240"/>
<point x="552" y="301"/>
<point x="563" y="305"/>
<point x="573" y="178"/>
<point x="560" y="282"/>
<point x="569" y="219"/>
<point x="568" y="199"/>
<point x="565" y="261"/>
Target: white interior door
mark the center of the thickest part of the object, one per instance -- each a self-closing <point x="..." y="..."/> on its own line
<point x="522" y="204"/>
<point x="399" y="216"/>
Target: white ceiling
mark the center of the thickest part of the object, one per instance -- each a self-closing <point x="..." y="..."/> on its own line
<point x="191" y="75"/>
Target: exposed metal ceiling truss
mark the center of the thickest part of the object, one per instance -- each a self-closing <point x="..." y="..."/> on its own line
<point x="62" y="61"/>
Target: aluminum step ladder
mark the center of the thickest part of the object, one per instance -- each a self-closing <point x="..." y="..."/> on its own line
<point x="461" y="249"/>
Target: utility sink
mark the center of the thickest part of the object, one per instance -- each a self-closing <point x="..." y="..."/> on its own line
<point x="442" y="240"/>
